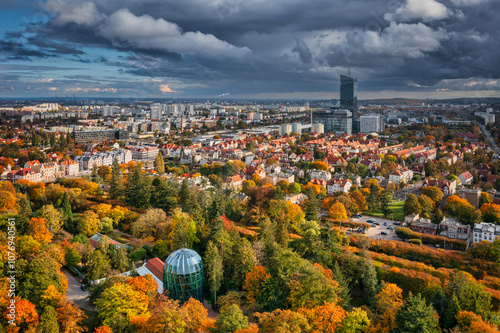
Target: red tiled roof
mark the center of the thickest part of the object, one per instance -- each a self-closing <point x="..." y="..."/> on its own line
<point x="155" y="265"/>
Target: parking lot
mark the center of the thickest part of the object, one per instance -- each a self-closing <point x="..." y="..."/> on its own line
<point x="375" y="231"/>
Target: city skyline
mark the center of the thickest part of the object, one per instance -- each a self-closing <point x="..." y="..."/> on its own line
<point x="252" y="49"/>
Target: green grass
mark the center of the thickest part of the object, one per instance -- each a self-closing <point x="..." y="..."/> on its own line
<point x="397" y="211"/>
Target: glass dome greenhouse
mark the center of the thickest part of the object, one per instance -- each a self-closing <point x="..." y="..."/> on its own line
<point x="183" y="275"/>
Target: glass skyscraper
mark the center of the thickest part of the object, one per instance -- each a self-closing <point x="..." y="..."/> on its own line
<point x="349" y="98"/>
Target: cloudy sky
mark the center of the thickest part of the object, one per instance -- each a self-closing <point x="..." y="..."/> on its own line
<point x="249" y="48"/>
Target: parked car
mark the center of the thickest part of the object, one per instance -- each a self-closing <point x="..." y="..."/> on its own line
<point x="383" y="233"/>
<point x="358" y="216"/>
<point x="397" y="223"/>
<point x="83" y="287"/>
<point x="385" y="224"/>
<point x="371" y="221"/>
<point x="376" y="223"/>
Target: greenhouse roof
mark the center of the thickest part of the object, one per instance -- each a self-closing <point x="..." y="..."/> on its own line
<point x="183" y="261"/>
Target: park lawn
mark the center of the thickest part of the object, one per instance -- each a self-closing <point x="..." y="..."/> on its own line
<point x="397" y="211"/>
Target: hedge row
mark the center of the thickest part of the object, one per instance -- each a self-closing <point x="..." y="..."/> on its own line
<point x="349" y="224"/>
<point x="434" y="257"/>
<point x="405" y="233"/>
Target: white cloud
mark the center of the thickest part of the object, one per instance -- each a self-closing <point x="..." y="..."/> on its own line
<point x="124" y="28"/>
<point x="404" y="40"/>
<point x="426" y="10"/>
<point x="164" y="88"/>
<point x="147" y="32"/>
<point x="82" y="13"/>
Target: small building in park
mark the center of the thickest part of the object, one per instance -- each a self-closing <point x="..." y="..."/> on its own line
<point x="183" y="275"/>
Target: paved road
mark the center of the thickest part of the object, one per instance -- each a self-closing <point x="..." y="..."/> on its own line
<point x="374" y="231"/>
<point x="75" y="293"/>
<point x="488" y="136"/>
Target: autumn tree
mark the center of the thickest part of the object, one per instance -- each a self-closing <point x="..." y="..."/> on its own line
<point x="337" y="212"/>
<point x="195" y="315"/>
<point x="70" y="317"/>
<point x="472" y="323"/>
<point x="230" y="319"/>
<point x="283" y="321"/>
<point x="325" y="318"/>
<point x="254" y="283"/>
<point x="490" y="212"/>
<point x="121" y="299"/>
<point x="389" y="298"/>
<point x="88" y="223"/>
<point x="8" y="202"/>
<point x="48" y="321"/>
<point x="53" y="218"/>
<point x="319" y="165"/>
<point x="485" y="198"/>
<point x="355" y="321"/>
<point x="38" y="230"/>
<point x="165" y="317"/>
<point x="26" y="315"/>
<point x="433" y="192"/>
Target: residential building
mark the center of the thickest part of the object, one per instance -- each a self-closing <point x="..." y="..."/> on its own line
<point x="234" y="181"/>
<point x="472" y="196"/>
<point x="401" y="175"/>
<point x="24" y="174"/>
<point x="452" y="229"/>
<point x="320" y="174"/>
<point x="465" y="178"/>
<point x="485" y="231"/>
<point x="285" y="129"/>
<point x="338" y="185"/>
<point x="70" y="167"/>
<point x="296" y="198"/>
<point x="424" y="226"/>
<point x="318" y="128"/>
<point x="297" y="128"/>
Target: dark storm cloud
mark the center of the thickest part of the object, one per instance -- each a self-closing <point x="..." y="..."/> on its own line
<point x="256" y="46"/>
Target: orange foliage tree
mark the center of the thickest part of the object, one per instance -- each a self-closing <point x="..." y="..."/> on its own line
<point x="103" y="329"/>
<point x="145" y="284"/>
<point x="254" y="282"/>
<point x="389" y="298"/>
<point x="26" y="316"/>
<point x="325" y="318"/>
<point x="70" y="317"/>
<point x="473" y="323"/>
<point x="8" y="202"/>
<point x="337" y="212"/>
<point x="37" y="228"/>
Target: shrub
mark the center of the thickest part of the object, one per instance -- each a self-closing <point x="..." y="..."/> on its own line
<point x="416" y="241"/>
<point x="138" y="254"/>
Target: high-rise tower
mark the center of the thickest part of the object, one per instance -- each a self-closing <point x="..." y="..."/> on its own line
<point x="349" y="98"/>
